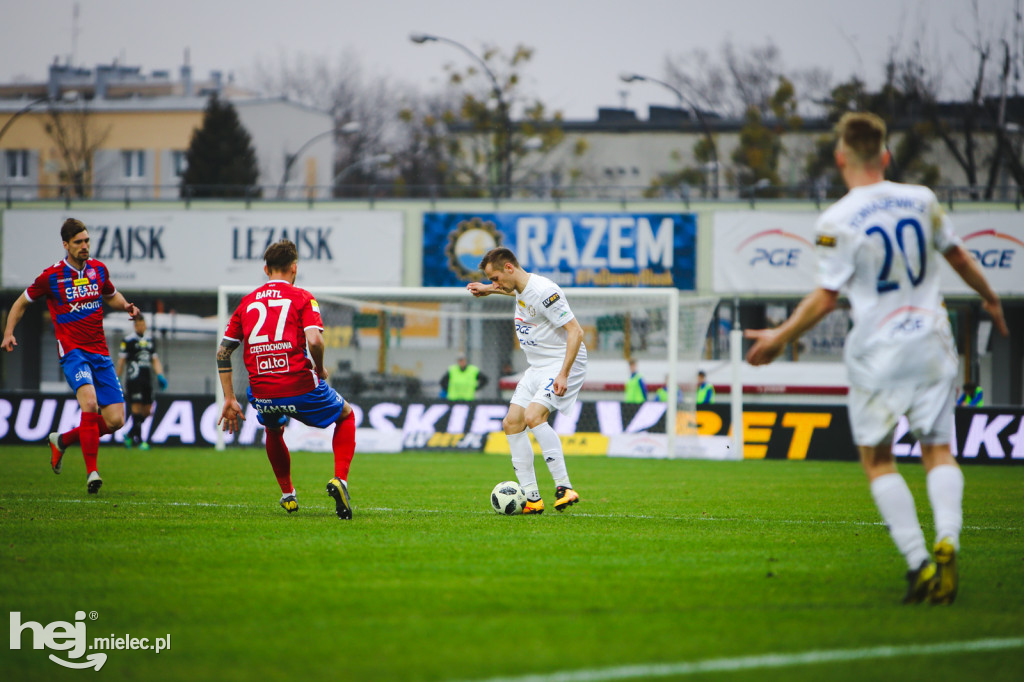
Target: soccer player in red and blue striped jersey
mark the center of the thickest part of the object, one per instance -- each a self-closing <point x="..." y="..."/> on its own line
<point x="75" y="289"/>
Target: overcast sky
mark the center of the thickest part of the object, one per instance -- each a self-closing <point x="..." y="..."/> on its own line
<point x="581" y="46"/>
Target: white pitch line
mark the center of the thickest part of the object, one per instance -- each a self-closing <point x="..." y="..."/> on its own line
<point x="395" y="510"/>
<point x="763" y="661"/>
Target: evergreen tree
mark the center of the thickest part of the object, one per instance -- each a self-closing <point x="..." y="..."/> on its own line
<point x="221" y="158"/>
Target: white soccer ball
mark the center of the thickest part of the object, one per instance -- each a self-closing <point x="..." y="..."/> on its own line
<point x="508" y="498"/>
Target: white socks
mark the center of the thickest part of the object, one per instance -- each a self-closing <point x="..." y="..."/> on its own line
<point x="946" y="493"/>
<point x="522" y="462"/>
<point x="551" y="449"/>
<point x="896" y="504"/>
<point x="522" y="458"/>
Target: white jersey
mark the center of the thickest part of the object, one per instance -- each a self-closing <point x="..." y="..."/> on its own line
<point x="541" y="314"/>
<point x="881" y="244"/>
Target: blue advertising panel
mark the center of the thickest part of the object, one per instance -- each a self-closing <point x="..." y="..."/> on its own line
<point x="572" y="249"/>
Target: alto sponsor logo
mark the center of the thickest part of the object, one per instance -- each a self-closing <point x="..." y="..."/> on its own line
<point x="71" y="637"/>
<point x="771" y="251"/>
<point x="272" y="363"/>
<point x="992" y="251"/>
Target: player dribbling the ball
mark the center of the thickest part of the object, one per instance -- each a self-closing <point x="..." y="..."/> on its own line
<point x="552" y="339"/>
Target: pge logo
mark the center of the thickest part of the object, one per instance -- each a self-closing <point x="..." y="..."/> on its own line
<point x="59" y="636"/>
<point x="266" y="364"/>
<point x="999" y="257"/>
<point x="774" y="255"/>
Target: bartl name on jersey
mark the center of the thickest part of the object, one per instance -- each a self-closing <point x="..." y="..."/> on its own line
<point x="250" y="243"/>
<point x="135" y="242"/>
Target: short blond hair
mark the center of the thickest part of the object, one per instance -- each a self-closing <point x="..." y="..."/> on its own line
<point x="862" y="136"/>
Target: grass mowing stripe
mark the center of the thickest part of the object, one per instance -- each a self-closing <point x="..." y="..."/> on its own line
<point x="397" y="510"/>
<point x="628" y="672"/>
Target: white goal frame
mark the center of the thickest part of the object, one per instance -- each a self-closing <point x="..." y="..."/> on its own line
<point x="671" y="298"/>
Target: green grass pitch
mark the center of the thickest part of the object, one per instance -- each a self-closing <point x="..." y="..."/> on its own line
<point x="663" y="562"/>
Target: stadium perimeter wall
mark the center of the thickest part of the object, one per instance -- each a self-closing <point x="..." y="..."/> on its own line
<point x="413" y="210"/>
<point x="778" y="431"/>
<point x="390" y="246"/>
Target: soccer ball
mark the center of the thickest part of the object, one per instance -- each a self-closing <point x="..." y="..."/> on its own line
<point x="508" y="498"/>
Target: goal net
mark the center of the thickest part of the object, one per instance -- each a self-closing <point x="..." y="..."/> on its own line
<point x="397" y="344"/>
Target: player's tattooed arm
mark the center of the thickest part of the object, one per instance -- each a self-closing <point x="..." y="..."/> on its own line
<point x="224" y="351"/>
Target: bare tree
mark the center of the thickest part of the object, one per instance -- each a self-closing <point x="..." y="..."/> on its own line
<point x="77" y="138"/>
<point x="493" y="135"/>
<point x="341" y="88"/>
<point x="960" y="125"/>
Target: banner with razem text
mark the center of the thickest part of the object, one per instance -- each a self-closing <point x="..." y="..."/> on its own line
<point x="572" y="249"/>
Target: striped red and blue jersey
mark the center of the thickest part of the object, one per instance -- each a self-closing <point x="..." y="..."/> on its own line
<point x="75" y="298"/>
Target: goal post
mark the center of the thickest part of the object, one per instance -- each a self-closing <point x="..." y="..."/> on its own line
<point x="398" y="342"/>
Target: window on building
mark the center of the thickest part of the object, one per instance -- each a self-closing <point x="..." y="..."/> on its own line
<point x="133" y="161"/>
<point x="17" y="163"/>
<point x="179" y="163"/>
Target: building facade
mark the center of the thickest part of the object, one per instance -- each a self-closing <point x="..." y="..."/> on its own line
<point x="116" y="133"/>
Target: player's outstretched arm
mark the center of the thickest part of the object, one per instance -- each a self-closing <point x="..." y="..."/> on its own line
<point x="768" y="343"/>
<point x="231" y="414"/>
<point x="118" y="301"/>
<point x="479" y="289"/>
<point x="13" y="318"/>
<point x="970" y="273"/>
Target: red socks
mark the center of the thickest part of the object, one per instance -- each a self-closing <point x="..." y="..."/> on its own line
<point x="89" y="436"/>
<point x="344" y="443"/>
<point x="73" y="436"/>
<point x="280" y="459"/>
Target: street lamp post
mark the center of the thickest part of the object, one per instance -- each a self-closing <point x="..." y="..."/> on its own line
<point x="368" y="162"/>
<point x="290" y="159"/>
<point x="683" y="103"/>
<point x="502" y="146"/>
<point x="69" y="96"/>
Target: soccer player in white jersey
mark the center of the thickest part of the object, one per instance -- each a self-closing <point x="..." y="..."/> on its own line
<point x="880" y="244"/>
<point x="552" y="339"/>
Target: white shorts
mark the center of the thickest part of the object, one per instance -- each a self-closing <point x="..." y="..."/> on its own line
<point x="535" y="386"/>
<point x="928" y="408"/>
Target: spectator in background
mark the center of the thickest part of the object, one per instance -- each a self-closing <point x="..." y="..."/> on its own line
<point x="661" y="395"/>
<point x="462" y="380"/>
<point x="705" y="391"/>
<point x="972" y="396"/>
<point x="636" y="389"/>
